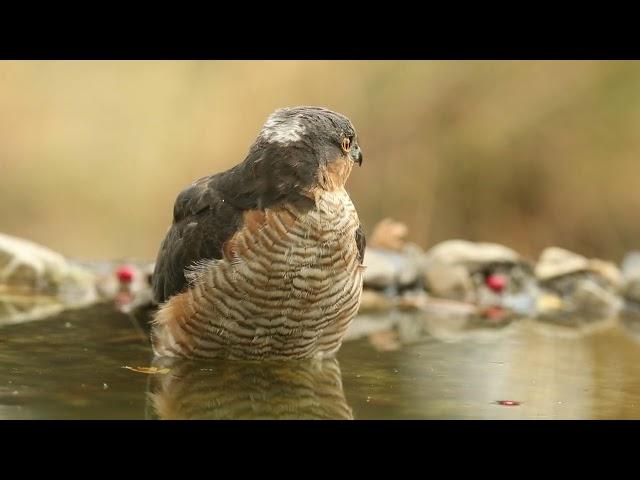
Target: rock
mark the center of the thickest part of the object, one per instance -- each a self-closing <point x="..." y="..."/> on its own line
<point x="486" y="274"/>
<point x="555" y="262"/>
<point x="523" y="303"/>
<point x="584" y="286"/>
<point x="391" y="262"/>
<point x="473" y="256"/>
<point x="596" y="299"/>
<point x="387" y="269"/>
<point x="631" y="276"/>
<point x="27" y="268"/>
<point x="411" y="265"/>
<point x="607" y="270"/>
<point x="631" y="265"/>
<point x="450" y="281"/>
<point x="549" y="303"/>
<point x="632" y="290"/>
<point x="389" y="235"/>
<point x="380" y="271"/>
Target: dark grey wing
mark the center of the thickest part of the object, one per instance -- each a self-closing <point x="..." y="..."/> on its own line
<point x="209" y="212"/>
<point x="203" y="220"/>
<point x="361" y="242"/>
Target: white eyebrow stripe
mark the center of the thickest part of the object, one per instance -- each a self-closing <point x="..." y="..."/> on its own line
<point x="282" y="129"/>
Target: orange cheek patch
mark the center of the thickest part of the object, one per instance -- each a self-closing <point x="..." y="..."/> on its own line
<point x="335" y="174"/>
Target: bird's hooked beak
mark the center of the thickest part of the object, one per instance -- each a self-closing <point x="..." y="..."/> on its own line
<point x="356" y="154"/>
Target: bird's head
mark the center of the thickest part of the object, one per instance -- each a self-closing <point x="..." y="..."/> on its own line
<point x="302" y="149"/>
<point x="329" y="135"/>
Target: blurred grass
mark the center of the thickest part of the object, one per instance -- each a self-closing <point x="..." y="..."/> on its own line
<point x="529" y="154"/>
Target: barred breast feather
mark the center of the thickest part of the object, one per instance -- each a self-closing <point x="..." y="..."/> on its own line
<point x="287" y="285"/>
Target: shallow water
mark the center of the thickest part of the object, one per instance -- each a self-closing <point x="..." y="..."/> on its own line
<point x="396" y="366"/>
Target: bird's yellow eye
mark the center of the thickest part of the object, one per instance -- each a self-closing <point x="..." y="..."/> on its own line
<point x="346" y="144"/>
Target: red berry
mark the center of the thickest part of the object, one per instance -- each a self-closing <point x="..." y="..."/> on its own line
<point x="496" y="282"/>
<point x="495" y="313"/>
<point x="125" y="273"/>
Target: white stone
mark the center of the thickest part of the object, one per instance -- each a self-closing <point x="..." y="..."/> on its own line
<point x="556" y="261"/>
<point x="471" y="254"/>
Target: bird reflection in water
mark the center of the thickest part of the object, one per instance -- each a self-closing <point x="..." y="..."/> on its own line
<point x="248" y="390"/>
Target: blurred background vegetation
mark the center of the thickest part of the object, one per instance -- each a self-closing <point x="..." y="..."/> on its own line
<point x="529" y="154"/>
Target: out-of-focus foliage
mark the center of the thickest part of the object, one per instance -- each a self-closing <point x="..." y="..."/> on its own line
<point x="530" y="154"/>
